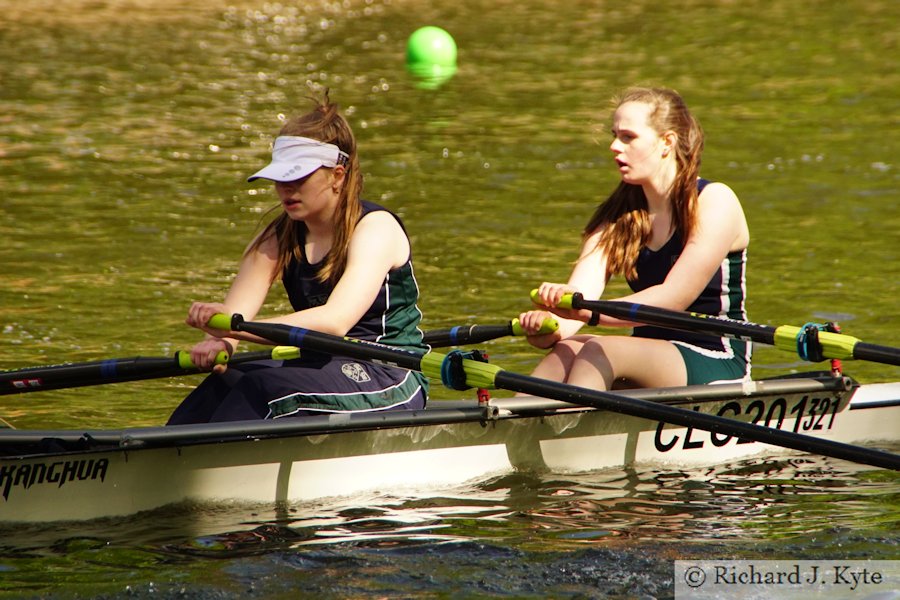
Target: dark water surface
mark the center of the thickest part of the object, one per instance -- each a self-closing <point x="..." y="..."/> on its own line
<point x="612" y="534"/>
<point x="127" y="129"/>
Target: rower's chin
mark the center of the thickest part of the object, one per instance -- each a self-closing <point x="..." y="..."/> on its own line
<point x="294" y="210"/>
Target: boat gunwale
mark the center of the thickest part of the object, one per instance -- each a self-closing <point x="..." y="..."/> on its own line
<point x="62" y="442"/>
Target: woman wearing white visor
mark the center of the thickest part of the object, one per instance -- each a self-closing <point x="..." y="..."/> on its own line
<point x="346" y="266"/>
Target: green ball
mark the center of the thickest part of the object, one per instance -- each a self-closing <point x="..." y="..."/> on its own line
<point x="431" y="45"/>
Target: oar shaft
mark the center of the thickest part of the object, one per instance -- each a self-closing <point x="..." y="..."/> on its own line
<point x="120" y="370"/>
<point x="834" y="345"/>
<point x="322" y="342"/>
<point x="688" y="418"/>
<point x="672" y="319"/>
<point x="876" y="353"/>
<point x="475" y="334"/>
<point x="34" y="379"/>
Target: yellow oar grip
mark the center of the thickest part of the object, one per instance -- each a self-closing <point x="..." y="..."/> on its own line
<point x="834" y="345"/>
<point x="285" y="352"/>
<point x="220" y="321"/>
<point x="564" y="302"/>
<point x="184" y="359"/>
<point x="549" y="325"/>
<point x="478" y="374"/>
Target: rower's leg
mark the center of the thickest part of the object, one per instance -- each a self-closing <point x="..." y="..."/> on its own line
<point x="640" y="362"/>
<point x="557" y="363"/>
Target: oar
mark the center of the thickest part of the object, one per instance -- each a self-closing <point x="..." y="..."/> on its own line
<point x="117" y="370"/>
<point x="475" y="334"/>
<point x="785" y="337"/>
<point x="478" y="374"/>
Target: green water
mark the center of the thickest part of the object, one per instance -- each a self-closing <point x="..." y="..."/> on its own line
<point x="126" y="135"/>
<point x="127" y="129"/>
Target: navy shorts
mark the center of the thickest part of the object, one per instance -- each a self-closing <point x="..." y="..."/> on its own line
<point x="307" y="386"/>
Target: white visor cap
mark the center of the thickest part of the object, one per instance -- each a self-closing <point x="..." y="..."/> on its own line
<point x="295" y="157"/>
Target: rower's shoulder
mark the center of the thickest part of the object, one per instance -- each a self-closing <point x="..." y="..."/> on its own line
<point x="717" y="189"/>
<point x="718" y="196"/>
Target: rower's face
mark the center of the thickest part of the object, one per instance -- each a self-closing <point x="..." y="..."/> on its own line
<point x="636" y="146"/>
<point x="314" y="195"/>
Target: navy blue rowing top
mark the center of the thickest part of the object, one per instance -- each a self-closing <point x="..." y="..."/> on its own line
<point x="393" y="317"/>
<point x="723" y="296"/>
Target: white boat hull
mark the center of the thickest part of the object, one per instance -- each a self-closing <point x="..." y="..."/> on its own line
<point x="143" y="473"/>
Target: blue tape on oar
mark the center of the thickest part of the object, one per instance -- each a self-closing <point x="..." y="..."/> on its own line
<point x="109" y="368"/>
<point x="296" y="336"/>
<point x="454" y="332"/>
<point x="633" y="310"/>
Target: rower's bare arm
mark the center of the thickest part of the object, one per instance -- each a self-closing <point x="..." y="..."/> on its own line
<point x="588" y="277"/>
<point x="377" y="246"/>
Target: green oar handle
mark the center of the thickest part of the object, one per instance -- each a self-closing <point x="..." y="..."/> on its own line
<point x="277" y="353"/>
<point x="548" y="325"/>
<point x="221" y="321"/>
<point x="184" y="361"/>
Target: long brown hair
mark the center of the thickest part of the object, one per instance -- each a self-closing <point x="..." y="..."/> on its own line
<point x="624" y="216"/>
<point x="324" y="123"/>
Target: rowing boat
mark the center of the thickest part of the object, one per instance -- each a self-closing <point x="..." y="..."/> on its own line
<point x="55" y="475"/>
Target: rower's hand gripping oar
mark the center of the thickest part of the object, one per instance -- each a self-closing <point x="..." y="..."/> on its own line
<point x="119" y="370"/>
<point x="475" y="334"/>
<point x="478" y="374"/>
<point x="809" y="341"/>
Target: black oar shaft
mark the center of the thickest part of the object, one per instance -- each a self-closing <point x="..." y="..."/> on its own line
<point x="833" y="345"/>
<point x="876" y="353"/>
<point x="79" y="374"/>
<point x="473" y="334"/>
<point x="323" y="342"/>
<point x="114" y="370"/>
<point x="672" y="319"/>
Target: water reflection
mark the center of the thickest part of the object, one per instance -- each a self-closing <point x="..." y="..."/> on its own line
<point x="628" y="522"/>
<point x="746" y="501"/>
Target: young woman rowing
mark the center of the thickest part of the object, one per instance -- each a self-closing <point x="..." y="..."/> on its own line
<point x="680" y="242"/>
<point x="346" y="266"/>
